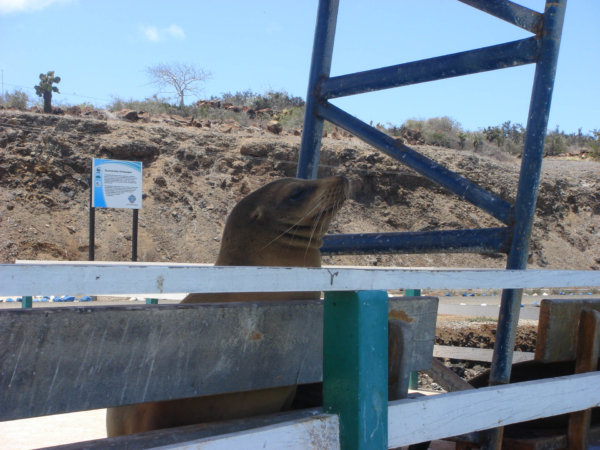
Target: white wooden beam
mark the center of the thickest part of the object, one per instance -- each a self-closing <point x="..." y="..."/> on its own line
<point x="428" y="418"/>
<point x="475" y="354"/>
<point x="319" y="432"/>
<point x="75" y="279"/>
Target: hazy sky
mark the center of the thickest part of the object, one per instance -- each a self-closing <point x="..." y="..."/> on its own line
<point x="100" y="48"/>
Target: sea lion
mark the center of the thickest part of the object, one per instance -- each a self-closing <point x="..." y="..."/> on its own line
<point x="280" y="224"/>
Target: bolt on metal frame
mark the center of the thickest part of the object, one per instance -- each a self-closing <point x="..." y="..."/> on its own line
<point x="513" y="239"/>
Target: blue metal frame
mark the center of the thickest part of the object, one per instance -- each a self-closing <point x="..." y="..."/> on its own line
<point x="542" y="49"/>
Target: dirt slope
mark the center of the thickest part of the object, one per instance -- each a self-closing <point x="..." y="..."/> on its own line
<point x="194" y="176"/>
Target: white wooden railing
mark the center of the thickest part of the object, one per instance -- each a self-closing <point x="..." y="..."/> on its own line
<point x="109" y="279"/>
<point x="410" y="421"/>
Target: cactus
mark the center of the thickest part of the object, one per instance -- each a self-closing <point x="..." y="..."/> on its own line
<point x="45" y="89"/>
<point x="462" y="139"/>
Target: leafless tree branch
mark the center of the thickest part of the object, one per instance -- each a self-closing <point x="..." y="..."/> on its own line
<point x="183" y="78"/>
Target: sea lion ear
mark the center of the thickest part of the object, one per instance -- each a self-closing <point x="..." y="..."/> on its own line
<point x="257" y="214"/>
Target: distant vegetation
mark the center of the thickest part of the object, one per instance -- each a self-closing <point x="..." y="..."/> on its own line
<point x="289" y="110"/>
<point x="270" y="99"/>
<point x="507" y="138"/>
<point x="498" y="141"/>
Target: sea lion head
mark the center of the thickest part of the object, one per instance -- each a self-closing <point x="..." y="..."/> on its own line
<point x="282" y="223"/>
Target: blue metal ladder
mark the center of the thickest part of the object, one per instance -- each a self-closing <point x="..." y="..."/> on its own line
<point x="513" y="239"/>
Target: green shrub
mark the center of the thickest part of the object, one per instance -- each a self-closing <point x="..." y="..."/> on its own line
<point x="439" y="131"/>
<point x="494" y="134"/>
<point x="440" y="139"/>
<point x="513" y="148"/>
<point x="292" y="118"/>
<point x="17" y="98"/>
<point x="84" y="105"/>
<point x="269" y="99"/>
<point x="414" y="124"/>
<point x="153" y="105"/>
<point x="555" y="143"/>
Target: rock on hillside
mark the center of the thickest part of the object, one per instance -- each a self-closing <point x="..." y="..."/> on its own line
<point x="193" y="176"/>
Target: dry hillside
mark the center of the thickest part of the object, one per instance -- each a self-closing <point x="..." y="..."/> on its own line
<point x="194" y="175"/>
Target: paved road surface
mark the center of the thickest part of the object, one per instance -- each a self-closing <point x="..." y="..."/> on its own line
<point x="48" y="431"/>
<point x="528" y="312"/>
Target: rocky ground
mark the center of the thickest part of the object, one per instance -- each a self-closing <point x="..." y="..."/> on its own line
<point x="194" y="173"/>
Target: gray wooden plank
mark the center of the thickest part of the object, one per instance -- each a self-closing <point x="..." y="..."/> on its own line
<point x="558" y="328"/>
<point x="177" y="435"/>
<point x="421" y="313"/>
<point x="446" y="377"/>
<point x="58" y="360"/>
<point x="475" y="354"/>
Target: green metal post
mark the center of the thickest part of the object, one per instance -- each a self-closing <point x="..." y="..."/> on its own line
<point x="412" y="292"/>
<point x="413" y="381"/>
<point x="151" y="301"/>
<point x="355" y="367"/>
<point x="27" y="302"/>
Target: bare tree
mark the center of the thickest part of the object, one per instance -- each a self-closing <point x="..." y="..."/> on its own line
<point x="184" y="78"/>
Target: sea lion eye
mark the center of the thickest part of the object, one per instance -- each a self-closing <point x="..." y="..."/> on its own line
<point x="298" y="194"/>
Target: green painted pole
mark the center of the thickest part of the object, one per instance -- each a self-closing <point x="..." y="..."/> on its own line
<point x="413" y="381"/>
<point x="27" y="302"/>
<point x="151" y="301"/>
<point x="355" y="367"/>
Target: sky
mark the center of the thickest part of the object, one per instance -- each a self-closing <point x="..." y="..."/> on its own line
<point x="100" y="49"/>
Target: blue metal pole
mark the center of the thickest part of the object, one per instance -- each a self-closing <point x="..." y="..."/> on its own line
<point x="529" y="178"/>
<point x="493" y="205"/>
<point x="485" y="240"/>
<point x="310" y="147"/>
<point x="510" y="12"/>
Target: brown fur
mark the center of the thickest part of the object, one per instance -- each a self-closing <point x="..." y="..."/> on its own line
<point x="280" y="224"/>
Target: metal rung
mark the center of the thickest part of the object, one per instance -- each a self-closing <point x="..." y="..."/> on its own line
<point x="501" y="56"/>
<point x="484" y="241"/>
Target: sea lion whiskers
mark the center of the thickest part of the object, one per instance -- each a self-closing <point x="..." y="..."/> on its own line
<point x="334" y="208"/>
<point x="313" y="229"/>
<point x="325" y="199"/>
<point x="320" y="200"/>
<point x="294" y="225"/>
